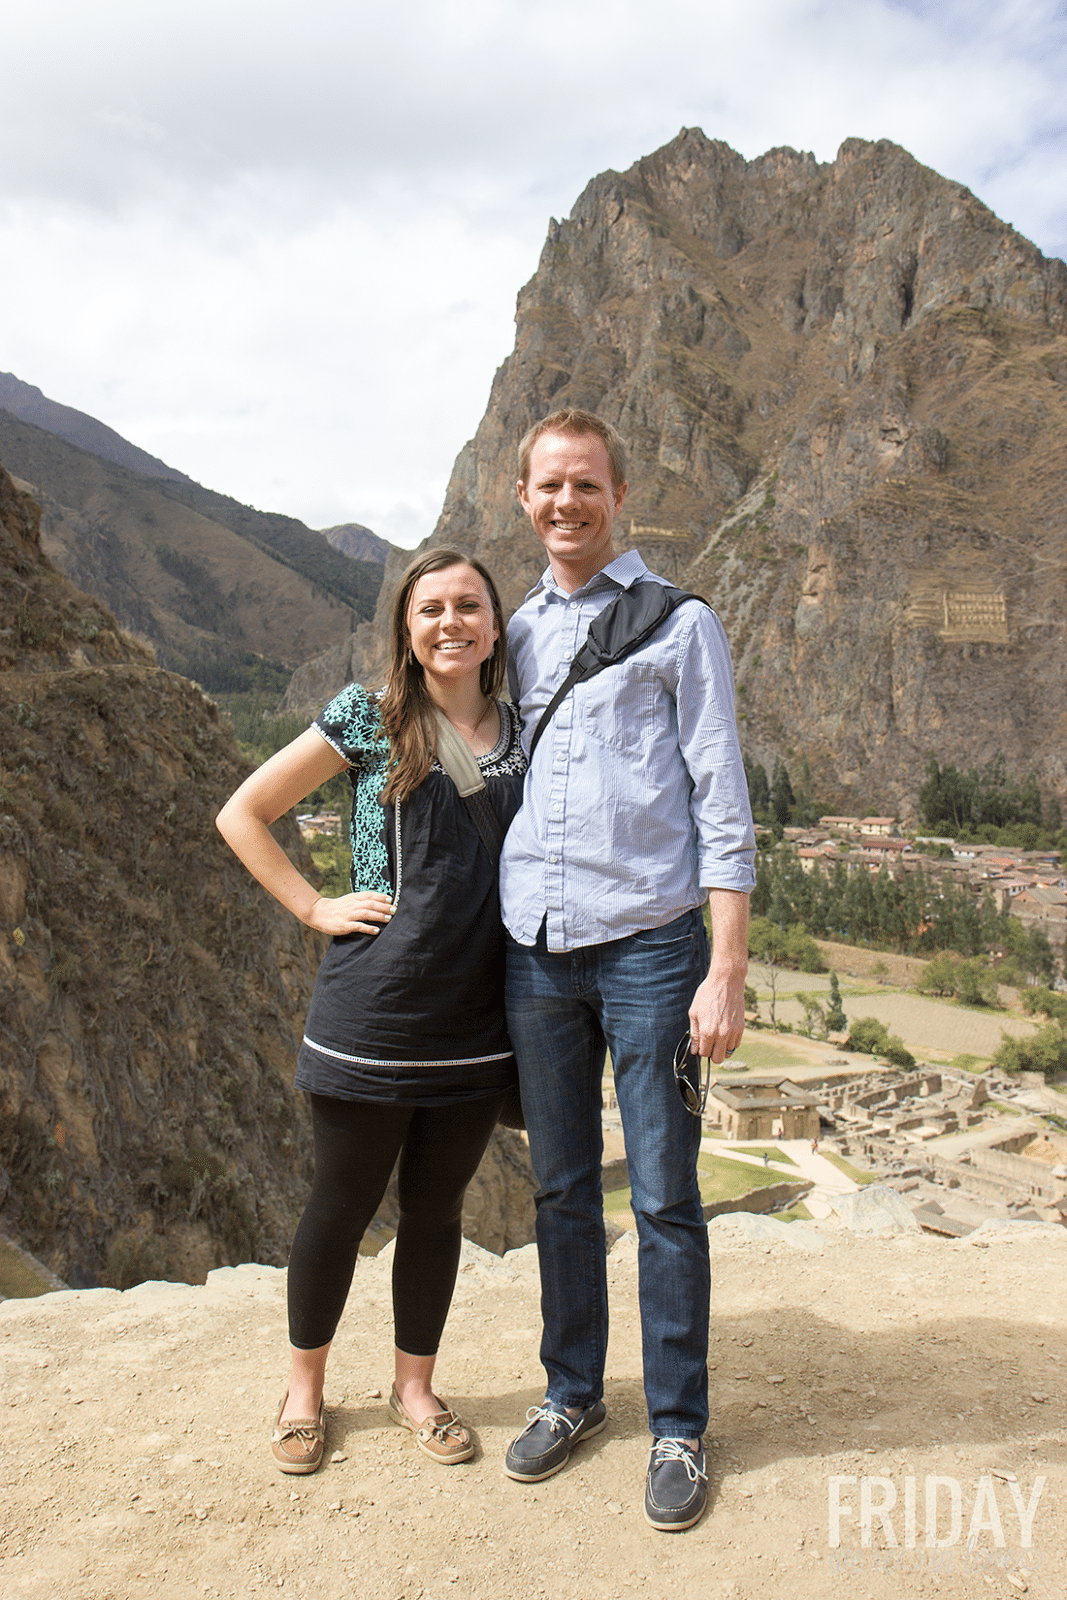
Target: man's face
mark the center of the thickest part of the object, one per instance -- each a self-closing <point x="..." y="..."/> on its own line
<point x="571" y="501"/>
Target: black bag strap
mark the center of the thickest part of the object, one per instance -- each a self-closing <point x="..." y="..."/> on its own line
<point x="620" y="629"/>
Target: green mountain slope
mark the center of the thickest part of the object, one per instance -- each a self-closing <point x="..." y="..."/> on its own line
<point x="221" y="591"/>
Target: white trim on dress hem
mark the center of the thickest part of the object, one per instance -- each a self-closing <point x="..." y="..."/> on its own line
<point x="373" y="1061"/>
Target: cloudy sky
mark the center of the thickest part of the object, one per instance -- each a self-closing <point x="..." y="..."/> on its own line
<point x="279" y="244"/>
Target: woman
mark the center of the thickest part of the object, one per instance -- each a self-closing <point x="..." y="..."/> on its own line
<point x="406" y="1051"/>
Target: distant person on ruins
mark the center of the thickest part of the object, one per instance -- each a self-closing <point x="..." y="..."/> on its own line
<point x="635" y="812"/>
<point x="406" y="1050"/>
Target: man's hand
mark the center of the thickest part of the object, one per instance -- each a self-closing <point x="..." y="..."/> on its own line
<point x="717" y="1014"/>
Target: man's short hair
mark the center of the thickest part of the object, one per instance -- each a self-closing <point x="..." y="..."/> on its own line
<point x="571" y="420"/>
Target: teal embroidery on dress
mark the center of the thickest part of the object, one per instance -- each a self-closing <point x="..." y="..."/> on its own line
<point x="350" y="724"/>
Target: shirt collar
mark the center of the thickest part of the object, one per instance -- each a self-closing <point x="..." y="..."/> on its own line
<point x="626" y="570"/>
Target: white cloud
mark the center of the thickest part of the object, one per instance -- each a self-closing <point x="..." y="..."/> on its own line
<point x="279" y="244"/>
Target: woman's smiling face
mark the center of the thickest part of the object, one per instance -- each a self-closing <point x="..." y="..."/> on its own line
<point x="450" y="622"/>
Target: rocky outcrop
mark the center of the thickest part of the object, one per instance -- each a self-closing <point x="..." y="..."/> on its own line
<point x="357" y="542"/>
<point x="844" y="388"/>
<point x="360" y="657"/>
<point x="152" y="997"/>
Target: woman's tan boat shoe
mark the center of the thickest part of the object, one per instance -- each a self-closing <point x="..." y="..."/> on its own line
<point x="298" y="1444"/>
<point x="442" y="1436"/>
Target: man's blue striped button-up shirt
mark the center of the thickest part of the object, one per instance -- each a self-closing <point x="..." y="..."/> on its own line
<point x="636" y="802"/>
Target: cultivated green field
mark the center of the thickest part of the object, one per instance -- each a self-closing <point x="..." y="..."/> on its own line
<point x="925" y="1024"/>
<point x="720" y="1179"/>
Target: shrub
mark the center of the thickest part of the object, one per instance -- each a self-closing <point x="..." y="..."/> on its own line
<point x="972" y="981"/>
<point x="874" y="1039"/>
<point x="869" y="1035"/>
<point x="938" y="976"/>
<point x="789" y="947"/>
<point x="1043" y="1052"/>
<point x="1053" y="1005"/>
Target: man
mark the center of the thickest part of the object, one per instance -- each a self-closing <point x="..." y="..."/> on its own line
<point x="635" y="811"/>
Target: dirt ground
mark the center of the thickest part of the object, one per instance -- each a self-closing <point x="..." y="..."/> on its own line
<point x="135" y="1459"/>
<point x="854" y="961"/>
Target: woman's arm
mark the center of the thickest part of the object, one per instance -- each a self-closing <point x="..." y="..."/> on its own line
<point x="244" y="822"/>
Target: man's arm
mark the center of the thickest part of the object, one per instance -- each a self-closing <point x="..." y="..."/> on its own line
<point x="722" y="824"/>
<point x="717" y="1014"/>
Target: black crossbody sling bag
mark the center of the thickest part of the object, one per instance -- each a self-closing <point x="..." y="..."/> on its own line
<point x="620" y="629"/>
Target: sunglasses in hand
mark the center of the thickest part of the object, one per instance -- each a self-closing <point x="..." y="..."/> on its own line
<point x="687" y="1076"/>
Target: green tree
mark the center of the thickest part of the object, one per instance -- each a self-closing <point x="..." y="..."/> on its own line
<point x="874" y="1039"/>
<point x="760" y="903"/>
<point x="787" y="947"/>
<point x="782" y="797"/>
<point x="766" y="945"/>
<point x="938" y="976"/>
<point x="1029" y="803"/>
<point x="1043" y="1052"/>
<point x="759" y="794"/>
<point x="806" y="809"/>
<point x="868" y="1035"/>
<point x="801" y="950"/>
<point x="976" y="984"/>
<point x="814" y="1016"/>
<point x="836" y="1021"/>
<point x="1038" y="955"/>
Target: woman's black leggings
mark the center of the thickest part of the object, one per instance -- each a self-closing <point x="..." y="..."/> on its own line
<point x="356" y="1145"/>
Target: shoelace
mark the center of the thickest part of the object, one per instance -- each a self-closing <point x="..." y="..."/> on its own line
<point x="548" y="1414"/>
<point x="665" y="1450"/>
<point x="306" y="1431"/>
<point x="449" y="1423"/>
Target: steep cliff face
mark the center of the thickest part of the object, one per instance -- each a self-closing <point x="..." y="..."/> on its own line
<point x="151" y="1003"/>
<point x="844" y="387"/>
<point x="152" y="997"/>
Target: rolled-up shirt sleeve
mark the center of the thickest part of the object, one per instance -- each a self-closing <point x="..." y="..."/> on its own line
<point x="707" y="739"/>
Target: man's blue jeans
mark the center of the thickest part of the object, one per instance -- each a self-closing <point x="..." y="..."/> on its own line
<point x="631" y="995"/>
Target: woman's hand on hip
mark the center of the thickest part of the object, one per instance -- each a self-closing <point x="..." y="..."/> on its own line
<point x="364" y="912"/>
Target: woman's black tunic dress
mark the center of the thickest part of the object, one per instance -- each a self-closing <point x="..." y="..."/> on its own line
<point x="415" y="1014"/>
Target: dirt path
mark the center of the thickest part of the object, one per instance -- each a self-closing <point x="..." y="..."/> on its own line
<point x="135" y="1460"/>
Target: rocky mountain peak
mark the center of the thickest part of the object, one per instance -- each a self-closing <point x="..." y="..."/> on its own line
<point x="844" y="389"/>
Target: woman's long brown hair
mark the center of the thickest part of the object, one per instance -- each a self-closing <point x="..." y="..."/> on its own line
<point x="407" y="711"/>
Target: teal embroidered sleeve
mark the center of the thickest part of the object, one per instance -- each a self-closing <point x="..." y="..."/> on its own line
<point x="350" y="724"/>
